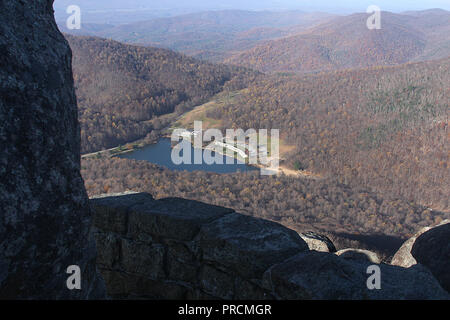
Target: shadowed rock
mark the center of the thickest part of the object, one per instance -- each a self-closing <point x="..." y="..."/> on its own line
<point x="179" y="249"/>
<point x="432" y="249"/>
<point x="319" y="275"/>
<point x="187" y="248"/>
<point x="45" y="216"/>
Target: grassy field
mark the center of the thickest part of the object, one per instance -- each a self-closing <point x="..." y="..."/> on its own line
<point x="199" y="113"/>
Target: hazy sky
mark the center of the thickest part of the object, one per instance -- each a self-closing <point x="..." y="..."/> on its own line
<point x="120" y="11"/>
<point x="357" y="5"/>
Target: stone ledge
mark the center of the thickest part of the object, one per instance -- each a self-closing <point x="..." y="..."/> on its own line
<point x="179" y="249"/>
<point x="203" y="249"/>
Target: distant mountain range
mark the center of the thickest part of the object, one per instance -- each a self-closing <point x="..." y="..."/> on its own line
<point x="291" y="41"/>
<point x="346" y="42"/>
<point x="213" y="35"/>
<point x="384" y="128"/>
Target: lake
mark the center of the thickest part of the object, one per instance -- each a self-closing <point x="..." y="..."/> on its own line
<point x="160" y="154"/>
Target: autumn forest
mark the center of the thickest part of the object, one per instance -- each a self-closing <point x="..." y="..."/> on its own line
<point x="366" y="112"/>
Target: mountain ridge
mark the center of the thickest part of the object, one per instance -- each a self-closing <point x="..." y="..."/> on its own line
<point x="346" y="42"/>
<point x="217" y="31"/>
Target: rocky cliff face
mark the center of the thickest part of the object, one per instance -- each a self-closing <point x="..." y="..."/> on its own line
<point x="180" y="249"/>
<point x="45" y="217"/>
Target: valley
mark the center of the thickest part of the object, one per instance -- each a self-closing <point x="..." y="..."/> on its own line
<point x="370" y="123"/>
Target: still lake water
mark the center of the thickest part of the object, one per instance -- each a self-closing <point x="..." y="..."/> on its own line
<point x="160" y="154"/>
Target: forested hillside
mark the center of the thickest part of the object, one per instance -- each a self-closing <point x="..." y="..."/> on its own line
<point x="120" y="88"/>
<point x="384" y="128"/>
<point x="361" y="113"/>
<point x="346" y="42"/>
<point x="381" y="128"/>
<point x="378" y="137"/>
<point x="352" y="216"/>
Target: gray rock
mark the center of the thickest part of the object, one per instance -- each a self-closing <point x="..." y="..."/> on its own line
<point x="111" y="211"/>
<point x="182" y="264"/>
<point x="109" y="246"/>
<point x="359" y="254"/>
<point x="221" y="254"/>
<point x="319" y="275"/>
<point x="432" y="249"/>
<point x="144" y="259"/>
<point x="172" y="218"/>
<point x="247" y="245"/>
<point x="123" y="285"/>
<point x="45" y="220"/>
<point x="217" y="283"/>
<point x="193" y="249"/>
<point x="318" y="242"/>
<point x="403" y="257"/>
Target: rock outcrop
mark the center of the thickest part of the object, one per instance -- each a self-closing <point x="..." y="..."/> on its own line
<point x="430" y="247"/>
<point x="359" y="254"/>
<point x="176" y="249"/>
<point x="318" y="242"/>
<point x="403" y="256"/>
<point x="179" y="249"/>
<point x="45" y="216"/>
<point x="432" y="250"/>
<point x="324" y="276"/>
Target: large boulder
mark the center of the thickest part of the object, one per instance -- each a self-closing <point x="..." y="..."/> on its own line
<point x="45" y="218"/>
<point x="325" y="276"/>
<point x="180" y="249"/>
<point x="431" y="248"/>
<point x="403" y="256"/>
<point x="247" y="245"/>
